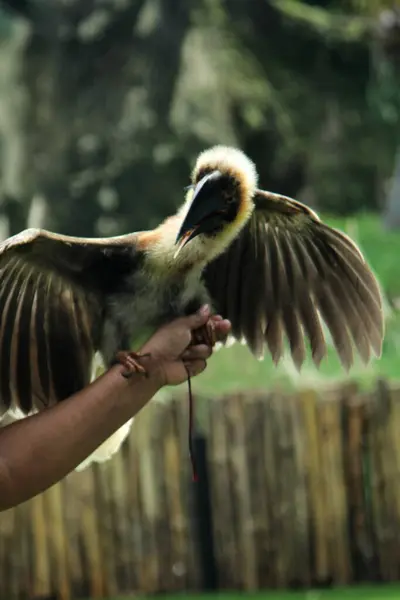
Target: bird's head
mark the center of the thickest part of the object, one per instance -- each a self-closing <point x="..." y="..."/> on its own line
<point x="219" y="200"/>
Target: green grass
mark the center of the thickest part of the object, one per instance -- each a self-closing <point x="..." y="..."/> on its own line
<point x="382" y="248"/>
<point x="378" y="592"/>
<point x="234" y="369"/>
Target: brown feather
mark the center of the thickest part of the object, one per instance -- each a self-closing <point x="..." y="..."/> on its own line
<point x="37" y="349"/>
<point x="290" y="316"/>
<point x="251" y="309"/>
<point x="311" y="273"/>
<point x="233" y="296"/>
<point x="49" y="315"/>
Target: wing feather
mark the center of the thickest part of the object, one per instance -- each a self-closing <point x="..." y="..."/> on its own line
<point x="290" y="316"/>
<point x="37" y="349"/>
<point x="42" y="332"/>
<point x="62" y="378"/>
<point x="286" y="274"/>
<point x="9" y="308"/>
<point x="274" y="329"/>
<point x="233" y="298"/>
<point x="253" y="322"/>
<point x="307" y="310"/>
<point x="20" y="341"/>
<point x="49" y="317"/>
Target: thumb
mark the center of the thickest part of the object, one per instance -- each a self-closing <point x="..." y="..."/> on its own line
<point x="199" y="318"/>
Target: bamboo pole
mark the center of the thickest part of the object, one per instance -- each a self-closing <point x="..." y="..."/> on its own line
<point x="161" y="524"/>
<point x="176" y="517"/>
<point x="301" y="497"/>
<point x="309" y="402"/>
<point x="58" y="542"/>
<point x="269" y="425"/>
<point x="257" y="488"/>
<point x="41" y="581"/>
<point x="245" y="548"/>
<point x="335" y="490"/>
<point x="89" y="522"/>
<point x="73" y="490"/>
<point x="292" y="492"/>
<point x="145" y="438"/>
<point x="222" y="497"/>
<point x="383" y="469"/>
<point x="118" y="481"/>
<point x="194" y="572"/>
<point x="103" y="510"/>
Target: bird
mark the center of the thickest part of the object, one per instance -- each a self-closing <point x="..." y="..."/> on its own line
<point x="265" y="261"/>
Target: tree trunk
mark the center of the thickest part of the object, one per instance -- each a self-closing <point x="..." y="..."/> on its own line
<point x="84" y="104"/>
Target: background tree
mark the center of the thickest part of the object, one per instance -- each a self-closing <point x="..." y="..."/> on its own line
<point x="105" y="104"/>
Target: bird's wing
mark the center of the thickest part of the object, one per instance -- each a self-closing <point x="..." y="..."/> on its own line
<point x="285" y="274"/>
<point x="50" y="314"/>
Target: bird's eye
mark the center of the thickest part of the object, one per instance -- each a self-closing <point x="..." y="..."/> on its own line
<point x="228" y="197"/>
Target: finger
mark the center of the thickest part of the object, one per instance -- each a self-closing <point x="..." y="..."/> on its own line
<point x="216" y="318"/>
<point x="195" y="352"/>
<point x="222" y="329"/>
<point x="199" y="318"/>
<point x="195" y="367"/>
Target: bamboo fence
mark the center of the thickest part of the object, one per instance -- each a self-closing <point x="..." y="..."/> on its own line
<point x="305" y="490"/>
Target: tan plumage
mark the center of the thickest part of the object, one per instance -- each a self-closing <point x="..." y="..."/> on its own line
<point x="264" y="261"/>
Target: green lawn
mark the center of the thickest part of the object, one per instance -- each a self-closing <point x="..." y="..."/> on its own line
<point x="384" y="592"/>
<point x="234" y="369"/>
<point x="382" y="248"/>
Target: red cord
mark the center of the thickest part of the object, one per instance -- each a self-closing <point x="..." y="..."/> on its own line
<point x="195" y="476"/>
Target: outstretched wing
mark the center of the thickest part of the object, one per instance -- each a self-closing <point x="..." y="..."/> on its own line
<point x="287" y="272"/>
<point x="50" y="315"/>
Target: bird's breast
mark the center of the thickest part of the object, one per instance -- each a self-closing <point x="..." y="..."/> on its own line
<point x="151" y="302"/>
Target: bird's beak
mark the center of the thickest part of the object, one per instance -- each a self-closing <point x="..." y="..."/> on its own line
<point x="183" y="239"/>
<point x="205" y="201"/>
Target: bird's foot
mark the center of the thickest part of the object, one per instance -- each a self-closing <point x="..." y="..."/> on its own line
<point x="205" y="334"/>
<point x="130" y="360"/>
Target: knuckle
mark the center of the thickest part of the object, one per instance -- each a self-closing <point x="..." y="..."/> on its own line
<point x="196" y="366"/>
<point x="204" y="351"/>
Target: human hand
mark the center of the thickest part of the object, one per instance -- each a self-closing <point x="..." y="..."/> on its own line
<point x="171" y="351"/>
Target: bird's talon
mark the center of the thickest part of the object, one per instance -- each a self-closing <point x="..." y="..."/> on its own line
<point x="130" y="360"/>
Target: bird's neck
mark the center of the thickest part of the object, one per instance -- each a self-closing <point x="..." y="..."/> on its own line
<point x="159" y="247"/>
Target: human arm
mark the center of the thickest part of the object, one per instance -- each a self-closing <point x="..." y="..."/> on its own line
<point x="39" y="451"/>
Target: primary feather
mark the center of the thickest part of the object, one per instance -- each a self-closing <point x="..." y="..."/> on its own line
<point x="287" y="272"/>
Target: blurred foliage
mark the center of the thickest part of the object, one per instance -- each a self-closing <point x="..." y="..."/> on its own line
<point x="104" y="104"/>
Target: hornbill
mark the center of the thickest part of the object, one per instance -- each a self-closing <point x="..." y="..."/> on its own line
<point x="262" y="260"/>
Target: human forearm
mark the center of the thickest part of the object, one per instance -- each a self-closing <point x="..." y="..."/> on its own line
<point x="38" y="451"/>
